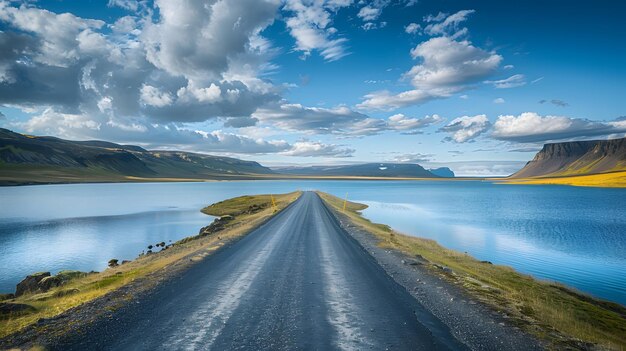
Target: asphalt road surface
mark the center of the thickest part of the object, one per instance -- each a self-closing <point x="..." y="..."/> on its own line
<point x="297" y="282"/>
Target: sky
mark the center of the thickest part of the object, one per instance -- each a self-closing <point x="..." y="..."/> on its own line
<point x="478" y="86"/>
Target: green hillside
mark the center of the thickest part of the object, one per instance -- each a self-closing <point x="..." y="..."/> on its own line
<point x="26" y="159"/>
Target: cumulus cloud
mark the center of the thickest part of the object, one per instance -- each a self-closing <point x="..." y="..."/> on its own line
<point x="339" y="120"/>
<point x="466" y="128"/>
<point x="499" y="101"/>
<point x="309" y="24"/>
<point x="170" y="136"/>
<point x="444" y="25"/>
<point x="400" y="122"/>
<point x="57" y="35"/>
<point x="532" y="127"/>
<point x="369" y="13"/>
<point x="152" y="96"/>
<point x="448" y="66"/>
<point x="307" y="148"/>
<point x="413" y="28"/>
<point x="83" y="69"/>
<point x="513" y="81"/>
<point x="131" y="5"/>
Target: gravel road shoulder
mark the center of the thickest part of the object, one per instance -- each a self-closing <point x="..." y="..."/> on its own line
<point x="470" y="321"/>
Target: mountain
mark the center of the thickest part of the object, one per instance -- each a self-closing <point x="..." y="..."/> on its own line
<point x="576" y="158"/>
<point x="443" y="172"/>
<point x="398" y="170"/>
<point x="33" y="159"/>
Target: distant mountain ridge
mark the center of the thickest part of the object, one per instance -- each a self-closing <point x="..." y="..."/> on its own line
<point x="443" y="172"/>
<point x="397" y="170"/>
<point x="48" y="159"/>
<point x="576" y="158"/>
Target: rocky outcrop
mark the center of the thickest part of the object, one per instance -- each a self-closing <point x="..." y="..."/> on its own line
<point x="67" y="275"/>
<point x="216" y="225"/>
<point x="44" y="281"/>
<point x="48" y="283"/>
<point x="576" y="158"/>
<point x="30" y="283"/>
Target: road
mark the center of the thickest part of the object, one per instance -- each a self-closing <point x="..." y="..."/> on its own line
<point x="297" y="282"/>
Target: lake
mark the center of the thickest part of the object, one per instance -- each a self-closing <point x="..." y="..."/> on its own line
<point x="572" y="235"/>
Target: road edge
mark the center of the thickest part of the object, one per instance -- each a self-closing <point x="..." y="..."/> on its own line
<point x="46" y="331"/>
<point x="470" y="321"/>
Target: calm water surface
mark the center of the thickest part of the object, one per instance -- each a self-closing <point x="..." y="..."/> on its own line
<point x="568" y="234"/>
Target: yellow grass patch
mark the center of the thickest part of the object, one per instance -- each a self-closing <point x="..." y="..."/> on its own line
<point x="605" y="180"/>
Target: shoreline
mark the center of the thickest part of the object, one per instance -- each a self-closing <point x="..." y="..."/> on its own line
<point x="72" y="306"/>
<point x="140" y="180"/>
<point x="476" y="305"/>
<point x="612" y="180"/>
<point x="560" y="317"/>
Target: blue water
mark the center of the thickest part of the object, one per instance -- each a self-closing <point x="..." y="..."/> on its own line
<point x="573" y="235"/>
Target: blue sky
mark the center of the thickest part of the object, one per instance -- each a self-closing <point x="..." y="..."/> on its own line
<point x="478" y="86"/>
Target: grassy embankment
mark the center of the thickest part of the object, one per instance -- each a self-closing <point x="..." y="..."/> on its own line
<point x="550" y="311"/>
<point x="248" y="212"/>
<point x="605" y="180"/>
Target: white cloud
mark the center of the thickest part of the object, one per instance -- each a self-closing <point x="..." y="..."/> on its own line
<point x="513" y="81"/>
<point x="310" y="26"/>
<point x="79" y="127"/>
<point x="412" y="158"/>
<point x="214" y="32"/>
<point x="499" y="101"/>
<point x="154" y="97"/>
<point x="369" y="13"/>
<point x="466" y="128"/>
<point x="435" y="18"/>
<point x="59" y="45"/>
<point x="441" y="25"/>
<point x="448" y="66"/>
<point x="412" y="28"/>
<point x="56" y="123"/>
<point x="317" y="149"/>
<point x="400" y="122"/>
<point x="210" y="94"/>
<point x="71" y="64"/>
<point x="532" y="127"/>
<point x="131" y="5"/>
<point x="371" y="25"/>
<point x="339" y="120"/>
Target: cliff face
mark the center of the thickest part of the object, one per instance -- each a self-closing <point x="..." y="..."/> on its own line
<point x="577" y="158"/>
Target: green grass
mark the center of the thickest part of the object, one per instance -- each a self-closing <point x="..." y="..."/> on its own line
<point x="194" y="248"/>
<point x="239" y="205"/>
<point x="559" y="315"/>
